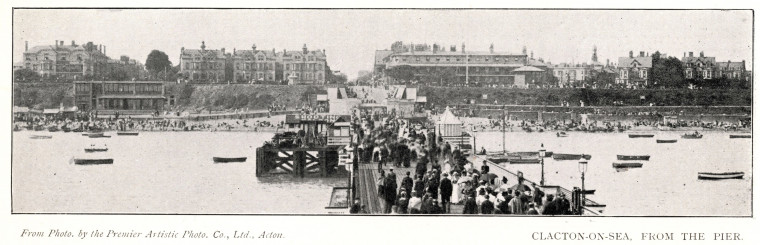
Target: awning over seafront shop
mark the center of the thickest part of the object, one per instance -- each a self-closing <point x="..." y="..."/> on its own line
<point x="51" y="111"/>
<point x="20" y="109"/>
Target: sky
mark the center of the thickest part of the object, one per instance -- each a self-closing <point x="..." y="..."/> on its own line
<point x="350" y="37"/>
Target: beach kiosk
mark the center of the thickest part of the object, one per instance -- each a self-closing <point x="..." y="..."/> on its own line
<point x="451" y="129"/>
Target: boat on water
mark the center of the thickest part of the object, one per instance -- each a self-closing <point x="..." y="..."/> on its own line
<point x="101" y="135"/>
<point x="53" y="129"/>
<point x="695" y="135"/>
<point x="720" y="176"/>
<point x="92" y="133"/>
<point x="640" y="135"/>
<point x="229" y="159"/>
<point x="38" y="137"/>
<point x="95" y="149"/>
<point x="562" y="156"/>
<point x="633" y="157"/>
<point x="127" y="133"/>
<point x="627" y="164"/>
<point x="666" y="141"/>
<point x="65" y="129"/>
<point x="77" y="130"/>
<point x="524" y="161"/>
<point x="93" y="161"/>
<point x="740" y="136"/>
<point x="562" y="134"/>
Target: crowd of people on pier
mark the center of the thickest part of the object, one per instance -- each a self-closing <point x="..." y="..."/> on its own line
<point x="442" y="175"/>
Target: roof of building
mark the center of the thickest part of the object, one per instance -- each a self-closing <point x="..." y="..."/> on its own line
<point x="731" y="65"/>
<point x="459" y="53"/>
<point x="203" y="52"/>
<point x="697" y="59"/>
<point x="317" y="53"/>
<point x="534" y="62"/>
<point x="448" y="118"/>
<point x="380" y="55"/>
<point x="528" y="69"/>
<point x="69" y="48"/>
<point x="250" y="52"/>
<point x="641" y="61"/>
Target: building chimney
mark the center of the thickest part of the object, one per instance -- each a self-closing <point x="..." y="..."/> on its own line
<point x="73" y="44"/>
<point x="630" y="54"/>
<point x="463" y="51"/>
<point x="641" y="53"/>
<point x="104" y="50"/>
<point x="684" y="54"/>
<point x="56" y="43"/>
<point x="305" y="50"/>
<point x="608" y="62"/>
<point x="691" y="54"/>
<point x="491" y="48"/>
<point x="61" y="42"/>
<point x="531" y="54"/>
<point x="253" y="47"/>
<point x="26" y="45"/>
<point x="223" y="51"/>
<point x="324" y="52"/>
<point x="203" y="45"/>
<point x="701" y="53"/>
<point x="453" y="48"/>
<point x="182" y="49"/>
<point x="411" y="48"/>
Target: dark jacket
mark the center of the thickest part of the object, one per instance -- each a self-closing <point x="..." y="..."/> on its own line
<point x="551" y="208"/>
<point x="504" y="207"/>
<point x="446" y="187"/>
<point x="419" y="187"/>
<point x="486" y="207"/>
<point x="356" y="208"/>
<point x="407" y="183"/>
<point x="470" y="206"/>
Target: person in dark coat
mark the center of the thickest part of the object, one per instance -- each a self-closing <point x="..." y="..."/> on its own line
<point x="434" y="208"/>
<point x="419" y="185"/>
<point x="407" y="183"/>
<point x="532" y="209"/>
<point x="486" y="207"/>
<point x="427" y="203"/>
<point x="356" y="207"/>
<point x="446" y="191"/>
<point x="485" y="168"/>
<point x="538" y="196"/>
<point x="551" y="205"/>
<point x="503" y="206"/>
<point x="402" y="203"/>
<point x="390" y="191"/>
<point x="563" y="205"/>
<point x="470" y="207"/>
<point x="432" y="185"/>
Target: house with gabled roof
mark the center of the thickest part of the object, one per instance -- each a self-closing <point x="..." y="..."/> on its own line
<point x="633" y="72"/>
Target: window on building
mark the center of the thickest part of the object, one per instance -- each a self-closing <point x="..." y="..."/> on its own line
<point x="448" y="59"/>
<point x="403" y="59"/>
<point x="417" y="59"/>
<point x="486" y="59"/>
<point x="427" y="59"/>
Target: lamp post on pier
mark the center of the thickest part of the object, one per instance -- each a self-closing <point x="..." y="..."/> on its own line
<point x="582" y="167"/>
<point x="542" y="154"/>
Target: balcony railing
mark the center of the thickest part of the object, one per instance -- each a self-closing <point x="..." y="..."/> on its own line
<point x="338" y="140"/>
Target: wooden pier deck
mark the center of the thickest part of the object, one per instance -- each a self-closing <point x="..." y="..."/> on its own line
<point x="366" y="178"/>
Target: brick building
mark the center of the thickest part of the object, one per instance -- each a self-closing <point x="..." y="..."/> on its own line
<point x="304" y="67"/>
<point x="204" y="65"/>
<point x="485" y="68"/>
<point x="633" y="71"/>
<point x="68" y="62"/>
<point x="126" y="97"/>
<point x="699" y="67"/>
<point x="254" y="65"/>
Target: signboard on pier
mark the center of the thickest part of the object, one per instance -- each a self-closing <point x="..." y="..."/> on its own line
<point x="298" y="118"/>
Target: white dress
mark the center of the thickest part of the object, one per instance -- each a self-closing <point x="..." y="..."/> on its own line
<point x="455" y="192"/>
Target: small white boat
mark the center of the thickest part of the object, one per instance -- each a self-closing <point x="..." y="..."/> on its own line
<point x="720" y="176"/>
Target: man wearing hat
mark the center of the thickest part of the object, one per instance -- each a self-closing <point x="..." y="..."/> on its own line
<point x="538" y="195"/>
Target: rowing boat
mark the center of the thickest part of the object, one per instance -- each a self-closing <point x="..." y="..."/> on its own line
<point x="719" y="176"/>
<point x="633" y="157"/>
<point x="627" y="165"/>
<point x="667" y="141"/>
<point x="524" y="161"/>
<point x="39" y="137"/>
<point x="562" y="156"/>
<point x="81" y="161"/>
<point x="640" y="135"/>
<point x="229" y="159"/>
<point x="127" y="133"/>
<point x="740" y="136"/>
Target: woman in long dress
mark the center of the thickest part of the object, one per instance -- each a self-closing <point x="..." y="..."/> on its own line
<point x="455" y="188"/>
